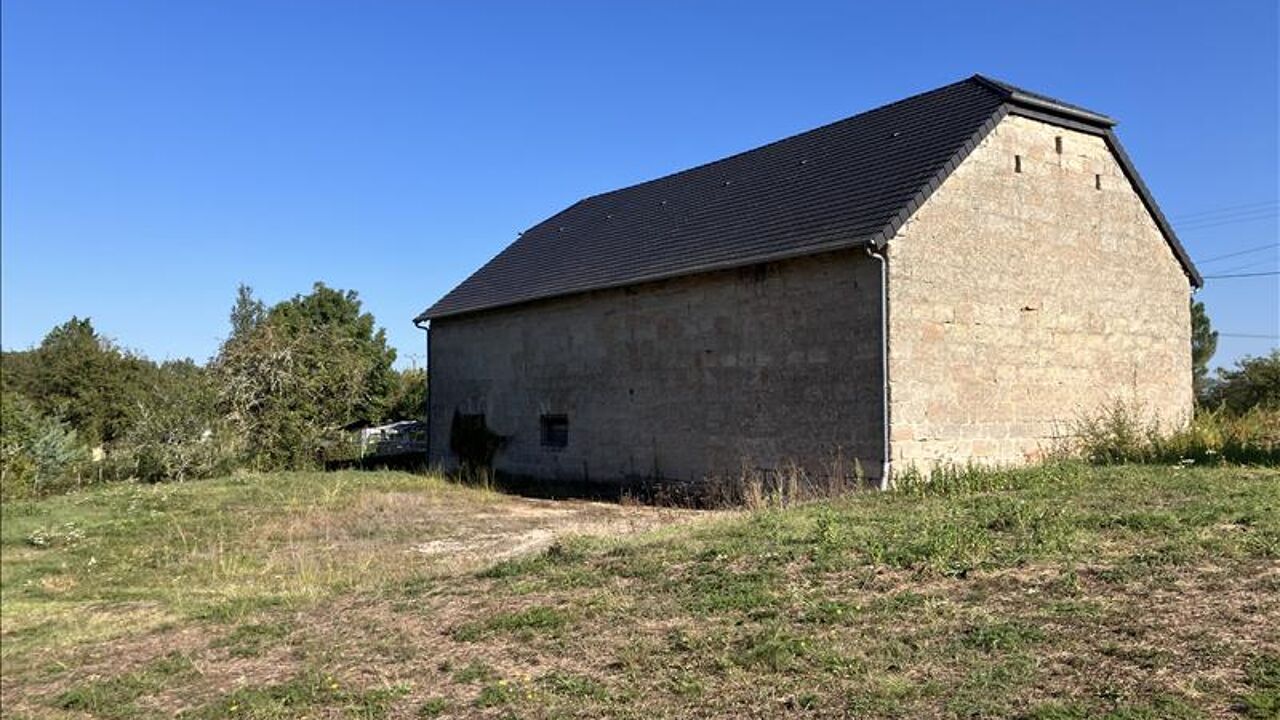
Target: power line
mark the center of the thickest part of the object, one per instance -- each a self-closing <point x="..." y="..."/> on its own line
<point x="1219" y="222"/>
<point x="1247" y="207"/>
<point x="1238" y="210"/>
<point x="1260" y="248"/>
<point x="1256" y="266"/>
<point x="1240" y="275"/>
<point x="1227" y="214"/>
<point x="1249" y="335"/>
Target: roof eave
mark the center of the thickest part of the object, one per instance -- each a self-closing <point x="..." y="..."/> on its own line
<point x="432" y="313"/>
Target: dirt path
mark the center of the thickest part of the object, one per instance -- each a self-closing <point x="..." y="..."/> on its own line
<point x="518" y="525"/>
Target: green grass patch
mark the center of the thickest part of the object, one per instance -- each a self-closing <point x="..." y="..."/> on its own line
<point x="117" y="697"/>
<point x="474" y="672"/>
<point x="546" y="620"/>
<point x="433" y="707"/>
<point x="253" y="639"/>
<point x="496" y="695"/>
<point x="982" y="594"/>
<point x="1000" y="636"/>
<point x="570" y="685"/>
<point x="309" y="692"/>
<point x="1262" y="700"/>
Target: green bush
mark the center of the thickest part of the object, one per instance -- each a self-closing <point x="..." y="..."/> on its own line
<point x="1253" y="383"/>
<point x="176" y="434"/>
<point x="38" y="454"/>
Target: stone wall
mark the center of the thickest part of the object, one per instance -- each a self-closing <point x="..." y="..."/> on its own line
<point x="741" y="369"/>
<point x="1021" y="300"/>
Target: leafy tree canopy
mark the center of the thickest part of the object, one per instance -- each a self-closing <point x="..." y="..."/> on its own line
<point x="1253" y="383"/>
<point x="82" y="378"/>
<point x="291" y="375"/>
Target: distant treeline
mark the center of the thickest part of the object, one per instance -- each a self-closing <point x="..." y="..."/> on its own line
<point x="79" y="408"/>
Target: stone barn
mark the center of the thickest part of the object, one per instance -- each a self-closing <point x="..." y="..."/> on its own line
<point x="951" y="278"/>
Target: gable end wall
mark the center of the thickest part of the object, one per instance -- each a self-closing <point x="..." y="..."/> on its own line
<point x="1020" y="302"/>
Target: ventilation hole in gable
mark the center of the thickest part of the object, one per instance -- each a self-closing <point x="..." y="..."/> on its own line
<point x="1057" y="144"/>
<point x="1017" y="163"/>
<point x="1097" y="182"/>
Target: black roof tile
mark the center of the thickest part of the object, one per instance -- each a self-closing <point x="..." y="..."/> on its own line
<point x="844" y="184"/>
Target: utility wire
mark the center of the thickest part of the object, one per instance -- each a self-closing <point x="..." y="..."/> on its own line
<point x="1226" y="208"/>
<point x="1216" y="219"/>
<point x="1240" y="275"/>
<point x="1249" y="335"/>
<point x="1248" y="207"/>
<point x="1260" y="248"/>
<point x="1227" y="214"/>
<point x="1205" y="225"/>
<point x="1247" y="267"/>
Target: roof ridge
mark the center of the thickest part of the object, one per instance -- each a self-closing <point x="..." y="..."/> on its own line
<point x="1038" y="101"/>
<point x="824" y="126"/>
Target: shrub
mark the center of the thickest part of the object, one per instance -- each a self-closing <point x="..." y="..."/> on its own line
<point x="1254" y="383"/>
<point x="1123" y="434"/>
<point x="176" y="434"/>
<point x="38" y="454"/>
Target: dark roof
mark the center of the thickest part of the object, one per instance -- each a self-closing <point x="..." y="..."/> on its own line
<point x="850" y="183"/>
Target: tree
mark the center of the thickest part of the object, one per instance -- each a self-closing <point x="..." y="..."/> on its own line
<point x="358" y="362"/>
<point x="291" y="378"/>
<point x="247" y="313"/>
<point x="1253" y="383"/>
<point x="82" y="378"/>
<point x="1204" y="342"/>
<point x="408" y="399"/>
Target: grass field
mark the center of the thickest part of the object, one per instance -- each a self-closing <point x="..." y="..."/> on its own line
<point x="1060" y="592"/>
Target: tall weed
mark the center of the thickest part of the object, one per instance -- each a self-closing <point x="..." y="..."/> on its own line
<point x="1123" y="433"/>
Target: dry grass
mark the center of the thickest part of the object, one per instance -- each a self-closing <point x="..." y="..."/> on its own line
<point x="1065" y="592"/>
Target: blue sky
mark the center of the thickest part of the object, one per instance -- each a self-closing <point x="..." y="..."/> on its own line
<point x="156" y="154"/>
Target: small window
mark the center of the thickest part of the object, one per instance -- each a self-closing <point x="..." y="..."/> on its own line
<point x="1097" y="182"/>
<point x="469" y="423"/>
<point x="555" y="431"/>
<point x="1017" y="163"/>
<point x="1057" y="144"/>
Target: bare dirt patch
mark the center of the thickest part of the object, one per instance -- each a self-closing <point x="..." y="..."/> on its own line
<point x="524" y="525"/>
